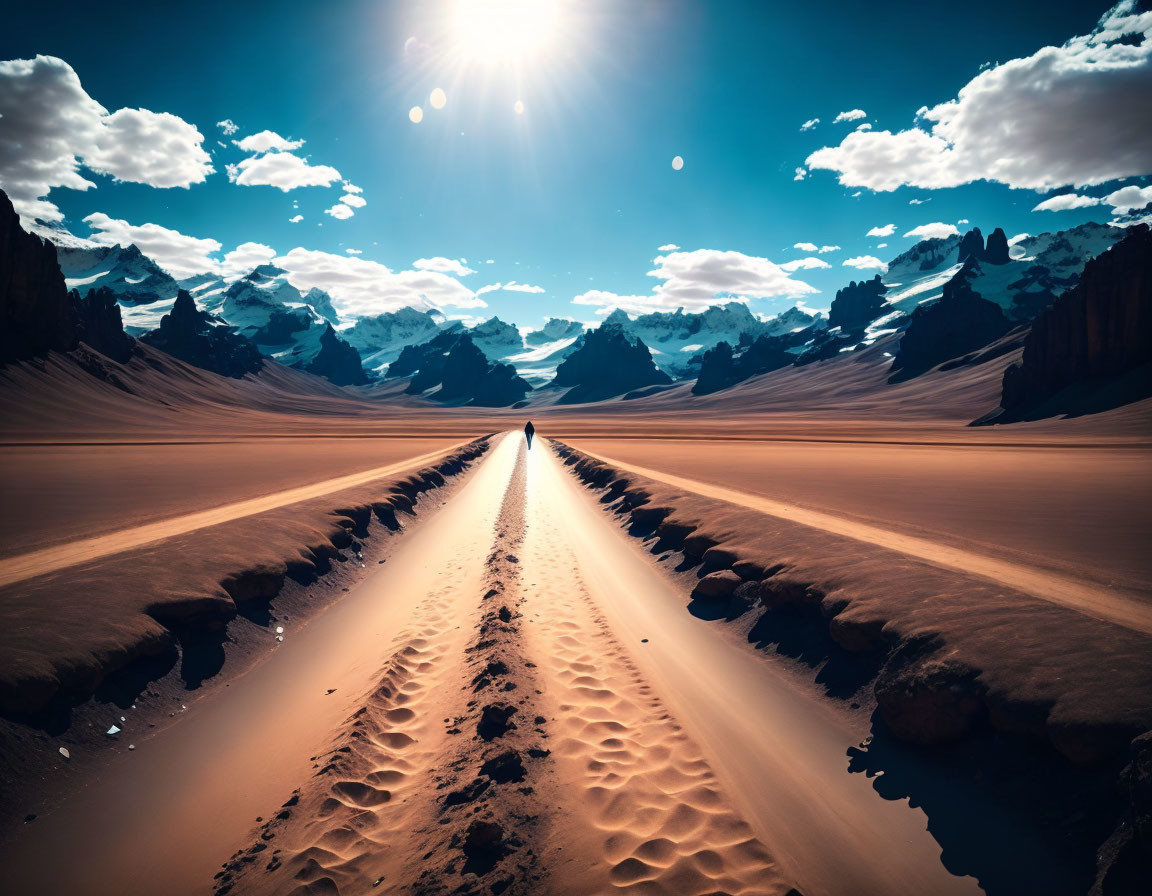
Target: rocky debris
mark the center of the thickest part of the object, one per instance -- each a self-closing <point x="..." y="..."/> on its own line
<point x="495" y="720"/>
<point x="960" y="322"/>
<point x="36" y="314"/>
<point x="606" y="364"/>
<point x="716" y="586"/>
<point x="504" y="767"/>
<point x="857" y="305"/>
<point x="101" y="326"/>
<point x="484" y="846"/>
<point x="194" y="337"/>
<point x="337" y="361"/>
<point x="1096" y="332"/>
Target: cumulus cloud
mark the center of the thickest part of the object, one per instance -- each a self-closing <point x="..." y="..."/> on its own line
<point x="1128" y="198"/>
<point x="1066" y="201"/>
<point x="443" y="265"/>
<point x="806" y="247"/>
<point x="667" y="247"/>
<point x="823" y="249"/>
<point x="513" y="286"/>
<point x="886" y="230"/>
<point x="1077" y="114"/>
<point x="694" y="280"/>
<point x="283" y="170"/>
<point x="800" y="174"/>
<point x="850" y="115"/>
<point x="353" y="252"/>
<point x="937" y="230"/>
<point x="361" y="287"/>
<point x="228" y="126"/>
<point x="865" y="263"/>
<point x="810" y="263"/>
<point x="810" y="124"/>
<point x="50" y="128"/>
<point x="296" y="219"/>
<point x="267" y="140"/>
<point x="241" y="260"/>
<point x="178" y="254"/>
<point x="340" y="211"/>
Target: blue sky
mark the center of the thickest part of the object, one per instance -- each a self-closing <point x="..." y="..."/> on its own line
<point x="577" y="192"/>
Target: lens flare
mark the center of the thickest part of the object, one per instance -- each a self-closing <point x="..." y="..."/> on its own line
<point x="438" y="98"/>
<point x="416" y="115"/>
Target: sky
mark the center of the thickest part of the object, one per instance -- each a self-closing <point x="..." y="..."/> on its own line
<point x="543" y="176"/>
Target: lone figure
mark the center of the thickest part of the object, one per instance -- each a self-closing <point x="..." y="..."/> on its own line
<point x="529" y="431"/>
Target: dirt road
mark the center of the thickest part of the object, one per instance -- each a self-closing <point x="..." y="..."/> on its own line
<point x="518" y="702"/>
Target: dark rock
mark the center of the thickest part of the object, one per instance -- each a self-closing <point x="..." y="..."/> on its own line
<point x="721" y="368"/>
<point x="36" y="313"/>
<point x="483" y="847"/>
<point x="857" y="305"/>
<point x="1096" y="332"/>
<point x="453" y="361"/>
<point x="101" y="326"/>
<point x="192" y="336"/>
<point x="337" y="361"/>
<point x="606" y="364"/>
<point x="716" y="586"/>
<point x="971" y="246"/>
<point x="996" y="252"/>
<point x="960" y="322"/>
<point x="929" y="701"/>
<point x="469" y="793"/>
<point x="495" y="720"/>
<point x="504" y="767"/>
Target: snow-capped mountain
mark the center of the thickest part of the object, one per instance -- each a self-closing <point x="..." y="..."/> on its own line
<point x="134" y="277"/>
<point x="793" y="320"/>
<point x="380" y="338"/>
<point x="496" y="338"/>
<point x="554" y="329"/>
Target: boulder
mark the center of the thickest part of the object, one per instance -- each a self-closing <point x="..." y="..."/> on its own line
<point x="716" y="586"/>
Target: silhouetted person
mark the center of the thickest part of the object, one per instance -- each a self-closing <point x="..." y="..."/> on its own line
<point x="529" y="431"/>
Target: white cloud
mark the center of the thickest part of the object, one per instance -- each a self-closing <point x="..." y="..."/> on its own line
<point x="667" y="247"/>
<point x="354" y="200"/>
<point x="360" y="287"/>
<point x="228" y="126"/>
<point x="918" y="201"/>
<point x="810" y="263"/>
<point x="800" y="174"/>
<point x="178" y="254"/>
<point x="886" y="230"/>
<point x="865" y="263"/>
<point x="866" y="126"/>
<point x="1075" y="115"/>
<point x="937" y="230"/>
<point x="1066" y="201"/>
<point x="694" y="280"/>
<point x="1128" y="198"/>
<point x="241" y="260"/>
<point x="824" y="249"/>
<point x="513" y="286"/>
<point x="267" y="140"/>
<point x="353" y="252"/>
<point x="1018" y="238"/>
<point x="283" y="170"/>
<point x="810" y="124"/>
<point x="296" y="219"/>
<point x="850" y="115"/>
<point x="806" y="247"/>
<point x="881" y="245"/>
<point x="962" y="221"/>
<point x="351" y="188"/>
<point x="50" y="127"/>
<point x="443" y="265"/>
<point x="340" y="211"/>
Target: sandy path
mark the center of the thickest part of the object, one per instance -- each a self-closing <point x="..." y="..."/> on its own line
<point x="1129" y="609"/>
<point x="35" y="563"/>
<point x="511" y="622"/>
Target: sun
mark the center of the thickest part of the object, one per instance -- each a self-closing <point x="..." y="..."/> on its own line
<point x="495" y="31"/>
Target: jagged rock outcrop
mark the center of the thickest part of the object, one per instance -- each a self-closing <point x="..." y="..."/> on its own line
<point x="996" y="252"/>
<point x="971" y="246"/>
<point x="36" y="314"/>
<point x="1099" y="330"/>
<point x="454" y="362"/>
<point x="100" y="324"/>
<point x="337" y="361"/>
<point x="960" y="322"/>
<point x="857" y="305"/>
<point x="607" y="363"/>
<point x="191" y="335"/>
<point x="721" y="367"/>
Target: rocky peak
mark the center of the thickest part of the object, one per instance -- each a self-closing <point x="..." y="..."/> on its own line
<point x="337" y="361"/>
<point x="607" y="363"/>
<point x="857" y="305"/>
<point x="996" y="252"/>
<point x="971" y="245"/>
<point x="189" y="334"/>
<point x="101" y="325"/>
